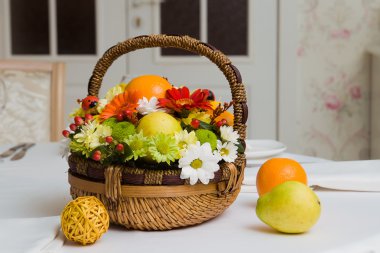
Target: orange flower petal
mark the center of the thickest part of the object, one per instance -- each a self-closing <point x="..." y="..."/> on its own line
<point x="122" y="101"/>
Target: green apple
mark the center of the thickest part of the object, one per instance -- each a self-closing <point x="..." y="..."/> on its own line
<point x="290" y="207"/>
<point x="158" y="122"/>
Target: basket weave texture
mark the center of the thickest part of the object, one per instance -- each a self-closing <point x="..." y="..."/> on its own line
<point x="157" y="199"/>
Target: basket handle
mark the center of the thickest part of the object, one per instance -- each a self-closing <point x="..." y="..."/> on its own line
<point x="231" y="73"/>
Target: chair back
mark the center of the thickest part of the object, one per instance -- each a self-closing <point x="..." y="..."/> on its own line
<point x="31" y="101"/>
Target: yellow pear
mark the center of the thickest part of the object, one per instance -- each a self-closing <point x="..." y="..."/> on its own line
<point x="290" y="207"/>
<point x="158" y="122"/>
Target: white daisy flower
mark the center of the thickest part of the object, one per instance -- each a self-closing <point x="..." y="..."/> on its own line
<point x="146" y="106"/>
<point x="228" y="134"/>
<point x="198" y="162"/>
<point x="185" y="138"/>
<point x="227" y="151"/>
<point x="91" y="134"/>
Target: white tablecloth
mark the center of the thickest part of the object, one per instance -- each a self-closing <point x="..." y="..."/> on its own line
<point x="36" y="186"/>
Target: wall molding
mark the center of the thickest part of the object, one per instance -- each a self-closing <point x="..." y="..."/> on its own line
<point x="287" y="74"/>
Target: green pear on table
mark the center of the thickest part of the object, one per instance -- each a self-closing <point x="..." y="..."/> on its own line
<point x="290" y="207"/>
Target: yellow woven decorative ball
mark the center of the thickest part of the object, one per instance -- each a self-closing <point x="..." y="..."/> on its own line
<point x="84" y="220"/>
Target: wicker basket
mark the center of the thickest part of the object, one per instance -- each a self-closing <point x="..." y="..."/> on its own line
<point x="147" y="198"/>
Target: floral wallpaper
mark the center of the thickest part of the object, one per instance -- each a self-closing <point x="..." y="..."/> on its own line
<point x="24" y="106"/>
<point x="333" y="77"/>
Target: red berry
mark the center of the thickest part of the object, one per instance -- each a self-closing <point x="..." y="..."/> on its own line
<point x="96" y="156"/>
<point x="88" y="117"/>
<point x="195" y="123"/>
<point x="128" y="113"/>
<point x="78" y="121"/>
<point x="97" y="152"/>
<point x="224" y="122"/>
<point x="219" y="123"/>
<point x="119" y="117"/>
<point x="109" y="139"/>
<point x="73" y="127"/>
<point x="65" y="133"/>
<point x="119" y="147"/>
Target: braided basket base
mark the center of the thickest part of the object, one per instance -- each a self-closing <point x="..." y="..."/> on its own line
<point x="162" y="213"/>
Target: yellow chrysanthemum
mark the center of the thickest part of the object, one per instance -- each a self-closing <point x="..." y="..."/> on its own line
<point x="138" y="144"/>
<point x="163" y="148"/>
<point x="92" y="135"/>
<point x="184" y="139"/>
<point x="77" y="112"/>
<point x="202" y="116"/>
<point x="116" y="90"/>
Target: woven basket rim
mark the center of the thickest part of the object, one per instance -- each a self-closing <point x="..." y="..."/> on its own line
<point x="95" y="171"/>
<point x="149" y="191"/>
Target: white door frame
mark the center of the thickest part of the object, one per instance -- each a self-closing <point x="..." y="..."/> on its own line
<point x="287" y="74"/>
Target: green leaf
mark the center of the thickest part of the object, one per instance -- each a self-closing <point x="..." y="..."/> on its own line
<point x="71" y="136"/>
<point x="184" y="113"/>
<point x="240" y="146"/>
<point x="205" y="125"/>
<point x="183" y="125"/>
<point x="127" y="151"/>
<point x="202" y="125"/>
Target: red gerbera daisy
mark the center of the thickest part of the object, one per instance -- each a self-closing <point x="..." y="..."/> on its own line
<point x="179" y="99"/>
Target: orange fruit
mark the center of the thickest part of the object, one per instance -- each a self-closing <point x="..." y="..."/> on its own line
<point x="276" y="171"/>
<point x="225" y="115"/>
<point x="149" y="86"/>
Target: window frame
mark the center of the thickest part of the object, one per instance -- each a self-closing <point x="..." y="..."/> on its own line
<point x="158" y="58"/>
<point x="53" y="55"/>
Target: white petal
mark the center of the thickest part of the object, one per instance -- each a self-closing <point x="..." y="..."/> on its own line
<point x="187" y="158"/>
<point x="217" y="156"/>
<point x="230" y="145"/>
<point x="193" y="178"/>
<point x="233" y="156"/>
<point x="214" y="158"/>
<point x="219" y="144"/>
<point x="184" y="161"/>
<point x="206" y="148"/>
<point x="203" y="176"/>
<point x="206" y="154"/>
<point x="228" y="159"/>
<point x="186" y="172"/>
<point x="210" y="175"/>
<point x="211" y="167"/>
<point x="198" y="144"/>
